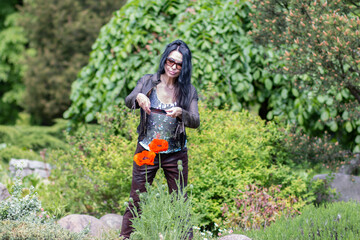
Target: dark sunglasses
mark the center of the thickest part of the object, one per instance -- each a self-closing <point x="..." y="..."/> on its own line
<point x="170" y="62"/>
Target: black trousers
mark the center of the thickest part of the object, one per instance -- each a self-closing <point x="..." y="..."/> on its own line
<point x="170" y="167"/>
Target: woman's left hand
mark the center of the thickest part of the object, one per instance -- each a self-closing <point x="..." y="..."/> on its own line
<point x="174" y="112"/>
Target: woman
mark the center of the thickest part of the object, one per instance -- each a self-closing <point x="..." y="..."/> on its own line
<point x="168" y="103"/>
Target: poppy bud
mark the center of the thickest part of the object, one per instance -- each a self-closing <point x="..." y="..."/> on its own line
<point x="180" y="167"/>
<point x="179" y="162"/>
<point x="131" y="200"/>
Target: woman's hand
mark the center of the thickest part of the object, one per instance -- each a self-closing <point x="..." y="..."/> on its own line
<point x="174" y="112"/>
<point x="144" y="102"/>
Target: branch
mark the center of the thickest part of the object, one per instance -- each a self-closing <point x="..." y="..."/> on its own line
<point x="354" y="91"/>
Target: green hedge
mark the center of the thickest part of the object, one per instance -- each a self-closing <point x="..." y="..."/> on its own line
<point x="33" y="137"/>
<point x="339" y="220"/>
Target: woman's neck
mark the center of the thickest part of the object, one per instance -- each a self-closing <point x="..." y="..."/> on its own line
<point x="168" y="81"/>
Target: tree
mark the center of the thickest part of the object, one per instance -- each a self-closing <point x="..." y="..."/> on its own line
<point x="318" y="38"/>
<point x="130" y="45"/>
<point x="62" y="33"/>
<point x="12" y="49"/>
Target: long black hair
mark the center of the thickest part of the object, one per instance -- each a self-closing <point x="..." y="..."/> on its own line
<point x="182" y="85"/>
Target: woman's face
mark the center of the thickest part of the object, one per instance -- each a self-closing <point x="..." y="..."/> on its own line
<point x="175" y="59"/>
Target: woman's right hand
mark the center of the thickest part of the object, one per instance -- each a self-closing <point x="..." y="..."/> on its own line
<point x="144" y="102"/>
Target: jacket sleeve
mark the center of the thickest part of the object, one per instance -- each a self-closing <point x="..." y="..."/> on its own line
<point x="191" y="117"/>
<point x="130" y="100"/>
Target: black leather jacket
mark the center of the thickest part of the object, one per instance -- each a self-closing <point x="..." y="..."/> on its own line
<point x="190" y="116"/>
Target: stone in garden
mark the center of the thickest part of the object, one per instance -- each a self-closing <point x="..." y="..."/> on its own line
<point x="348" y="186"/>
<point x="352" y="168"/>
<point x="4" y="193"/>
<point x="114" y="221"/>
<point x="235" y="237"/>
<point x="30" y="167"/>
<point x="77" y="222"/>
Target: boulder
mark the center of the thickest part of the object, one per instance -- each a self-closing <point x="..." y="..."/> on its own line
<point x="77" y="222"/>
<point x="235" y="237"/>
<point x="114" y="221"/>
<point x="351" y="168"/>
<point x="4" y="193"/>
<point x="347" y="186"/>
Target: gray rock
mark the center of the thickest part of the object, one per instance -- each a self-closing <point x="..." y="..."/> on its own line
<point x="24" y="163"/>
<point x="38" y="165"/>
<point x="114" y="221"/>
<point x="4" y="193"/>
<point x="235" y="237"/>
<point x="30" y="167"/>
<point x="347" y="186"/>
<point x="42" y="173"/>
<point x="77" y="222"/>
<point x="352" y="168"/>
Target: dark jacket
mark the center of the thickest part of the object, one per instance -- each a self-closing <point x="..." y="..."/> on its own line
<point x="190" y="116"/>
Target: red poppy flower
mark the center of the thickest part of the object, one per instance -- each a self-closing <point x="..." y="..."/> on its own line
<point x="145" y="157"/>
<point x="158" y="145"/>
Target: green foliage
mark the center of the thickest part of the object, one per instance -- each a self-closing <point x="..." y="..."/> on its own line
<point x="21" y="216"/>
<point x="12" y="67"/>
<point x="61" y="32"/>
<point x="307" y="151"/>
<point x="94" y="175"/>
<point x="339" y="220"/>
<point x="130" y="45"/>
<point x="231" y="150"/>
<point x="34" y="138"/>
<point x="257" y="207"/>
<point x="31" y="230"/>
<point x="6" y="154"/>
<point x="323" y="61"/>
<point x="164" y="215"/>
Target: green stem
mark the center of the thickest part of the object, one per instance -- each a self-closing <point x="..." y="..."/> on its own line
<point x="159" y="162"/>
<point x="146" y="173"/>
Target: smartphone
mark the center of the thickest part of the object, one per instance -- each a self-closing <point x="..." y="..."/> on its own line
<point x="158" y="111"/>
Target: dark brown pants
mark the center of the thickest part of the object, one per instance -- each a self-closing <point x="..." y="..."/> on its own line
<point x="170" y="167"/>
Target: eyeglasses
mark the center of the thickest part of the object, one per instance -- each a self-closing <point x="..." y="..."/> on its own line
<point x="170" y="62"/>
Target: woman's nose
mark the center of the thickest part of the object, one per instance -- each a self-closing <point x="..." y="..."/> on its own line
<point x="173" y="66"/>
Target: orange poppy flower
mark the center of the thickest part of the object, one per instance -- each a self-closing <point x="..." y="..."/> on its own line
<point x="145" y="157"/>
<point x="158" y="145"/>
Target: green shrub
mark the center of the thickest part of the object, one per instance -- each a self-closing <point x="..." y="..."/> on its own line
<point x="35" y="138"/>
<point x="94" y="175"/>
<point x="33" y="231"/>
<point x="18" y="153"/>
<point x="257" y="207"/>
<point x="307" y="151"/>
<point x="340" y="220"/>
<point x="163" y="214"/>
<point x="231" y="150"/>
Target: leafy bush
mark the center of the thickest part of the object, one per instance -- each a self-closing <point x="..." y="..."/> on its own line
<point x="30" y="230"/>
<point x="340" y="220"/>
<point x="233" y="149"/>
<point x="22" y="217"/>
<point x="164" y="214"/>
<point x="257" y="207"/>
<point x="94" y="175"/>
<point x="308" y="151"/>
<point x="6" y="154"/>
<point x="35" y="138"/>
